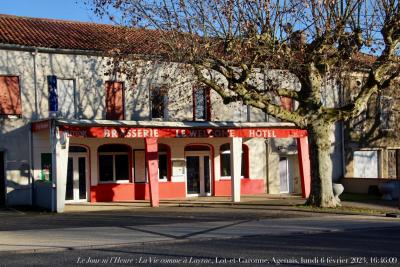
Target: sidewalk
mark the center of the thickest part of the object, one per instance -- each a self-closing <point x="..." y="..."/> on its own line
<point x="269" y="202"/>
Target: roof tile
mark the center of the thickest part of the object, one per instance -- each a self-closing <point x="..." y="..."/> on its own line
<point x="50" y="33"/>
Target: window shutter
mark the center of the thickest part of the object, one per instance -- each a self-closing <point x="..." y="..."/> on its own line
<point x="10" y="97"/>
<point x="201" y="103"/>
<point x="208" y="103"/>
<point x="114" y="100"/>
<point x="286" y="103"/>
<point x="53" y="96"/>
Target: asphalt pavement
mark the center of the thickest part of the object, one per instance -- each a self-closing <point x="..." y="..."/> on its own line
<point x="362" y="247"/>
<point x="197" y="233"/>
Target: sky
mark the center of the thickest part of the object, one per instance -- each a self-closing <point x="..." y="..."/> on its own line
<point x="55" y="9"/>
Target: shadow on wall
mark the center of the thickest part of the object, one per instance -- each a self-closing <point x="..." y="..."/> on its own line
<point x="15" y="145"/>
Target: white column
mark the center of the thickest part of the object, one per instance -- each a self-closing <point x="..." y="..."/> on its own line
<point x="60" y="164"/>
<point x="236" y="167"/>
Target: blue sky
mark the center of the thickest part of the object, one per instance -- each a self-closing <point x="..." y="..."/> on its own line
<point x="56" y="9"/>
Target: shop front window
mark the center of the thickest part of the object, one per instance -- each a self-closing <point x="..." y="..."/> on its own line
<point x="113" y="163"/>
<point x="225" y="155"/>
<point x="163" y="162"/>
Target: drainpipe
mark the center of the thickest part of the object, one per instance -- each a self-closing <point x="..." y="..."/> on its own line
<point x="53" y="168"/>
<point x="265" y="88"/>
<point x="30" y="137"/>
<point x="267" y="165"/>
<point x="341" y="103"/>
<point x="36" y="114"/>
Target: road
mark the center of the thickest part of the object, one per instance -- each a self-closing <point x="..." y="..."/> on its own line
<point x="198" y="237"/>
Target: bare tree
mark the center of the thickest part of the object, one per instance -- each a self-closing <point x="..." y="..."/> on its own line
<point x="315" y="40"/>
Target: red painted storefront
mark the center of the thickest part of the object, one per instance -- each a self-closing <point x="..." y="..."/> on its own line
<point x="154" y="189"/>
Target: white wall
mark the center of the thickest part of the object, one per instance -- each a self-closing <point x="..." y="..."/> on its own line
<point x="88" y="72"/>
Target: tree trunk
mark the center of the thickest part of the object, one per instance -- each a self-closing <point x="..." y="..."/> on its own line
<point x="321" y="165"/>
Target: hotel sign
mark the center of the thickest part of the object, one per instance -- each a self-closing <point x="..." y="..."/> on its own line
<point x="146" y="132"/>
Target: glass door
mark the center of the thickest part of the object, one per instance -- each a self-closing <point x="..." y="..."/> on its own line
<point x="198" y="180"/>
<point x="193" y="175"/>
<point x="76" y="178"/>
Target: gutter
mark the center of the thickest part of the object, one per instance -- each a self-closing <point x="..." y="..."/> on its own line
<point x="30" y="135"/>
<point x="49" y="50"/>
<point x="342" y="133"/>
<point x="169" y="124"/>
<point x="99" y="53"/>
<point x="31" y="167"/>
<point x="34" y="54"/>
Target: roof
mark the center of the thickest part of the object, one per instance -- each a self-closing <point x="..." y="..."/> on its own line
<point x="86" y="36"/>
<point x="62" y="34"/>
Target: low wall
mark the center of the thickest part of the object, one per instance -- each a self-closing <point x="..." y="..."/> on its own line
<point x="361" y="185"/>
<point x="132" y="191"/>
<point x="43" y="194"/>
<point x="247" y="187"/>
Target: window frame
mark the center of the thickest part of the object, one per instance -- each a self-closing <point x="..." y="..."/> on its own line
<point x="378" y="164"/>
<point x="108" y="116"/>
<point x="166" y="150"/>
<point x="286" y="103"/>
<point x="245" y="171"/>
<point x="163" y="91"/>
<point x="75" y="96"/>
<point x="386" y="112"/>
<point x="207" y="103"/>
<point x="114" y="154"/>
<point x="396" y="166"/>
<point x="165" y="178"/>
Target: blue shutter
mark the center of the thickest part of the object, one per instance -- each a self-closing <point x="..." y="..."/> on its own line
<point x="53" y="96"/>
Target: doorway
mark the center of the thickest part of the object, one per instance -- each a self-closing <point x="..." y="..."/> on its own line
<point x="2" y="180"/>
<point x="77" y="176"/>
<point x="198" y="182"/>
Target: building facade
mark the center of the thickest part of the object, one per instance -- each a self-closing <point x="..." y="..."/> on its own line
<point x="73" y="131"/>
<point x="372" y="140"/>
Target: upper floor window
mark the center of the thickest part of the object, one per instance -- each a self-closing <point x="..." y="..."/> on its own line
<point x="225" y="155"/>
<point x="386" y="113"/>
<point x="159" y="101"/>
<point x="62" y="97"/>
<point x="10" y="95"/>
<point x="201" y="103"/>
<point x="393" y="163"/>
<point x="114" y="100"/>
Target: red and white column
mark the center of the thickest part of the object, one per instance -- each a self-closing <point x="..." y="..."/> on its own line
<point x="236" y="167"/>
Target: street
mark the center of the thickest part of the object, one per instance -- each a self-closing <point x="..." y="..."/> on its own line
<point x="196" y="236"/>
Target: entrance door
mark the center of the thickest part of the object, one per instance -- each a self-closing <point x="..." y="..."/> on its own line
<point x="76" y="178"/>
<point x="2" y="180"/>
<point x="284" y="175"/>
<point x="198" y="174"/>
